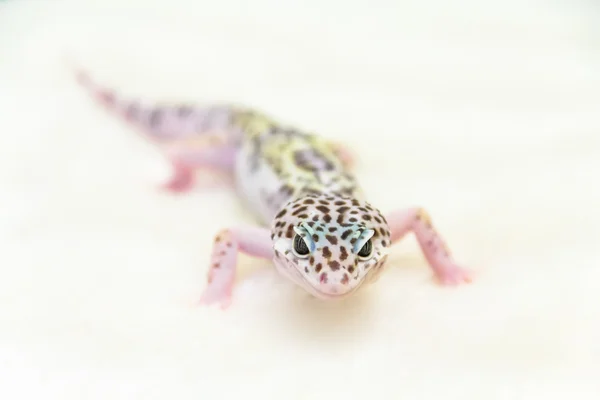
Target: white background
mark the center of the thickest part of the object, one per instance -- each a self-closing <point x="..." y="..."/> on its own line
<point x="485" y="113"/>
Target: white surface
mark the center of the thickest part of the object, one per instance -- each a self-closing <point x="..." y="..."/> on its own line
<point x="487" y="114"/>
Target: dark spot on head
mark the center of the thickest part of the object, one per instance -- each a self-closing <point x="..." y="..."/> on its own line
<point x="303" y="216"/>
<point x="281" y="213"/>
<point x="351" y="269"/>
<point x="354" y="212"/>
<point x="318" y="268"/>
<point x="352" y="219"/>
<point x="343" y="253"/>
<point x="366" y="217"/>
<point x="327" y="218"/>
<point x="332" y="229"/>
<point x="323" y="209"/>
<point x="331" y="239"/>
<point x="306" y="269"/>
<point x="300" y="210"/>
<point x="309" y="201"/>
<point x="342" y="210"/>
<point x="340" y="203"/>
<point x="334" y="265"/>
<point x="346" y="234"/>
<point x="326" y="252"/>
<point x="315" y="218"/>
<point x="311" y="260"/>
<point x="315" y="238"/>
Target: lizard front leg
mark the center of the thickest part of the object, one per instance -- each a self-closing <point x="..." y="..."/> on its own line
<point x="187" y="159"/>
<point x="437" y="254"/>
<point x="253" y="241"/>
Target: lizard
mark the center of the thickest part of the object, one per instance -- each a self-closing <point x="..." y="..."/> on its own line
<point x="315" y="223"/>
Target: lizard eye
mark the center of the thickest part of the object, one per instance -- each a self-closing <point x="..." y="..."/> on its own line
<point x="300" y="247"/>
<point x="366" y="250"/>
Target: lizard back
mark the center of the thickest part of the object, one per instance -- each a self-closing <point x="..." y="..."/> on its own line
<point x="276" y="164"/>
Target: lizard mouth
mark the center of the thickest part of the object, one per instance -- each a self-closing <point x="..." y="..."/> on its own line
<point x="333" y="296"/>
<point x="330" y="296"/>
<point x="314" y="289"/>
<point x="289" y="270"/>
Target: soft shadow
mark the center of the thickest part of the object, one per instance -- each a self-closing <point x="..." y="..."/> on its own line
<point x="303" y="319"/>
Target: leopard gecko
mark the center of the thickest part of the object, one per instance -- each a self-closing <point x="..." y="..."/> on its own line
<point x="317" y="226"/>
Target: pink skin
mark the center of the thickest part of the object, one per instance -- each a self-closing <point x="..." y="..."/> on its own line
<point x="436" y="253"/>
<point x="345" y="154"/>
<point x="191" y="138"/>
<point x="202" y="139"/>
<point x="253" y="241"/>
<point x="182" y="179"/>
<point x="256" y="242"/>
<point x="187" y="160"/>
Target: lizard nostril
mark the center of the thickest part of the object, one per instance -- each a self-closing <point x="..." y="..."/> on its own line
<point x="345" y="279"/>
<point x="323" y="278"/>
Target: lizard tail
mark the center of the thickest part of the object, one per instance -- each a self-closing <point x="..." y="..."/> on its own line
<point x="160" y="122"/>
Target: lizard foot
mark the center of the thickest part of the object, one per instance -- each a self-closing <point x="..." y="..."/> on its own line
<point x="452" y="275"/>
<point x="181" y="181"/>
<point x="212" y="296"/>
<point x="222" y="271"/>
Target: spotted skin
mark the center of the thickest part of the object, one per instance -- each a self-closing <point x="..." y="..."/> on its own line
<point x="316" y="224"/>
<point x="335" y="228"/>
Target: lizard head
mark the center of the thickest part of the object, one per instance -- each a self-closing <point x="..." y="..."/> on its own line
<point x="330" y="245"/>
